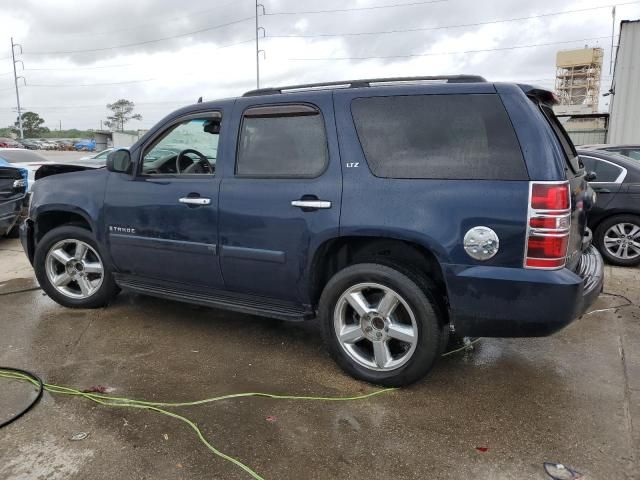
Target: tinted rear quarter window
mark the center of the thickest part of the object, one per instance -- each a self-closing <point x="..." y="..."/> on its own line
<point x="561" y="134"/>
<point x="438" y="136"/>
<point x="606" y="172"/>
<point x="282" y="142"/>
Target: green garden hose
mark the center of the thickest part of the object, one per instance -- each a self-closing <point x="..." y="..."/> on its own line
<point x="122" y="402"/>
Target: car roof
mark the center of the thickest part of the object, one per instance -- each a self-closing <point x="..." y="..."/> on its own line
<point x="630" y="164"/>
<point x="604" y="146"/>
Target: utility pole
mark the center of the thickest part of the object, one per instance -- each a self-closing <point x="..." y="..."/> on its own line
<point x="613" y="31"/>
<point x="15" y="80"/>
<point x="258" y="50"/>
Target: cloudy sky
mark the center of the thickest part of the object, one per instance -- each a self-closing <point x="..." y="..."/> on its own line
<point x="80" y="55"/>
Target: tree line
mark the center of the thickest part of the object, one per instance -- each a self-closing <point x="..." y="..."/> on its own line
<point x="121" y="112"/>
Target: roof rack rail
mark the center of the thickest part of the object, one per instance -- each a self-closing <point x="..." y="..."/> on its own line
<point x="369" y="82"/>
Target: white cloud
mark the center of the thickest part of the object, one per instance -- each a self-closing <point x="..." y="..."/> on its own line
<point x="179" y="70"/>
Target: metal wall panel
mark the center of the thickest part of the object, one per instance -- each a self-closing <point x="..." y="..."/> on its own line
<point x="624" y="126"/>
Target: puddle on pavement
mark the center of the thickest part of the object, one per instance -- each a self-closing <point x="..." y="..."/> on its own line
<point x="17" y="284"/>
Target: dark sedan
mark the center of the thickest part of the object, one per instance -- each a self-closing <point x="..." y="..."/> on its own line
<point x="615" y="218"/>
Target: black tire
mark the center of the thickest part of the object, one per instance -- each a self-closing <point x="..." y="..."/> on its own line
<point x="423" y="302"/>
<point x="600" y="235"/>
<point x="101" y="297"/>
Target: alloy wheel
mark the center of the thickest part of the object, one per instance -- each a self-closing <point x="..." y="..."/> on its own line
<point x="74" y="268"/>
<point x="622" y="240"/>
<point x="375" y="326"/>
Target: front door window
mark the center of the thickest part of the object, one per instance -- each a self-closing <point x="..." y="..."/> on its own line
<point x="188" y="148"/>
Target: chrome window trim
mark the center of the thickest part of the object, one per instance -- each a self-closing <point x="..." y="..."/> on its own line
<point x="621" y="176"/>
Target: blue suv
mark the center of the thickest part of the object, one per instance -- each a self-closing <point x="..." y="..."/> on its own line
<point x="395" y="211"/>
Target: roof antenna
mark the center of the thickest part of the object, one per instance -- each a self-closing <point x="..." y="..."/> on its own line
<point x="199" y="100"/>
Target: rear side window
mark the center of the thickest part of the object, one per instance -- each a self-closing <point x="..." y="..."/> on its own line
<point x="563" y="137"/>
<point x="438" y="136"/>
<point x="605" y="171"/>
<point x="282" y="141"/>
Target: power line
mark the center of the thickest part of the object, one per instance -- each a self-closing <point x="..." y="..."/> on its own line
<point x="88" y="84"/>
<point x="76" y="68"/>
<point x="377" y="7"/>
<point x="102" y="105"/>
<point x="146" y="42"/>
<point x="450" y="53"/>
<point x="149" y="24"/>
<point x="444" y="27"/>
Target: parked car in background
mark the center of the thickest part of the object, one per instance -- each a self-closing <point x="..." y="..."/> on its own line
<point x="27" y="160"/>
<point x="9" y="143"/>
<point x="615" y="218"/>
<point x="100" y="157"/>
<point x="13" y="187"/>
<point x="30" y="144"/>
<point x="393" y="210"/>
<point x="630" y="151"/>
<point x="85" y="145"/>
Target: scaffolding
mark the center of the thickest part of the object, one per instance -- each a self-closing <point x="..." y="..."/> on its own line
<point x="578" y="80"/>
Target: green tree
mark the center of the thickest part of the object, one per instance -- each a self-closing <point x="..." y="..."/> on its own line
<point x="31" y="125"/>
<point x="121" y="113"/>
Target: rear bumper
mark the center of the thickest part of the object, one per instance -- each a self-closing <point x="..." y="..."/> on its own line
<point x="518" y="302"/>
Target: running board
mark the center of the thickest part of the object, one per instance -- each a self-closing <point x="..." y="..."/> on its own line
<point x="252" y="305"/>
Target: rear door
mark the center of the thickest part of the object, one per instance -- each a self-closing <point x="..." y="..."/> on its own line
<point x="12" y="189"/>
<point x="609" y="177"/>
<point x="280" y="199"/>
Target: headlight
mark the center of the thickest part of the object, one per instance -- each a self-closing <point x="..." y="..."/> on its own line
<point x="17" y="184"/>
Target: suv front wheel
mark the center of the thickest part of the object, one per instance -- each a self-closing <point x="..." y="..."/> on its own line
<point x="71" y="269"/>
<point x="381" y="325"/>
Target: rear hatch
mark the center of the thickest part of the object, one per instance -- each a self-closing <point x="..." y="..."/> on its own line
<point x="576" y="177"/>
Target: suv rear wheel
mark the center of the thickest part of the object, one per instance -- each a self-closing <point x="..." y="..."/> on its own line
<point x="71" y="269"/>
<point x="618" y="239"/>
<point x="380" y="325"/>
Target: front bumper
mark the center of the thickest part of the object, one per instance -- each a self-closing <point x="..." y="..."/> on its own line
<point x="26" y="239"/>
<point x="519" y="302"/>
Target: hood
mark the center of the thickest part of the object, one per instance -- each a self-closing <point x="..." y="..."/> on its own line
<point x="52" y="168"/>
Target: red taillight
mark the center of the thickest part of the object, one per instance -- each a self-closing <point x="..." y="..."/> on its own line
<point x="547" y="196"/>
<point x="549" y="223"/>
<point x="547" y="246"/>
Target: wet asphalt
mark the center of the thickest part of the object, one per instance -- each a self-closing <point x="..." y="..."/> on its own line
<point x="495" y="413"/>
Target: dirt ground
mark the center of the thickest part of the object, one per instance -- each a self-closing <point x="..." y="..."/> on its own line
<point x="498" y="412"/>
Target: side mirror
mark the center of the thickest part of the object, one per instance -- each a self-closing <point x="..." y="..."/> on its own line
<point x="119" y="161"/>
<point x="590" y="176"/>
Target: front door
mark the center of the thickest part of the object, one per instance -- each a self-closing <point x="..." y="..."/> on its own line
<point x="162" y="221"/>
<point x="280" y="199"/>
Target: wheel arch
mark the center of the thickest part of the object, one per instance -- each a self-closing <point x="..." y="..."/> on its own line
<point x="337" y="253"/>
<point x="614" y="213"/>
<point x="55" y="216"/>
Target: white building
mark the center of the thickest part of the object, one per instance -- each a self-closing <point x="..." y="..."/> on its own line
<point x="624" y="107"/>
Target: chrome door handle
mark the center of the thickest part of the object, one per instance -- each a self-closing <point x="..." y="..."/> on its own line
<point x="311" y="203"/>
<point x="195" y="200"/>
